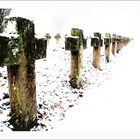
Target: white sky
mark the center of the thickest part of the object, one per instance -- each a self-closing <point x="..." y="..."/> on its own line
<point x="121" y="17"/>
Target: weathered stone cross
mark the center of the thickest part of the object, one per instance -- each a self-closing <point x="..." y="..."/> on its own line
<point x="19" y="55"/>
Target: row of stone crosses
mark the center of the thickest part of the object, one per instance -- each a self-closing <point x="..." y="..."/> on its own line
<point x="19" y="54"/>
<point x="76" y="43"/>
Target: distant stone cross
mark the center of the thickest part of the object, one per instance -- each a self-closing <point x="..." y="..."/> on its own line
<point x="57" y="37"/>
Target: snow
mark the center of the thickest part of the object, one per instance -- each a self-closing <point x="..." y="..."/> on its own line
<point x="109" y="101"/>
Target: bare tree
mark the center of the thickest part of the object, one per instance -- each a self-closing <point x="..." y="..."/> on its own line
<point x="3" y="14"/>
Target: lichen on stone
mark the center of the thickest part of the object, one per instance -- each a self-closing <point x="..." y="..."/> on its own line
<point x="13" y="51"/>
<point x="17" y="29"/>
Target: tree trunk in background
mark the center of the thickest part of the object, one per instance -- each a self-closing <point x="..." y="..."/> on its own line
<point x="3" y="13"/>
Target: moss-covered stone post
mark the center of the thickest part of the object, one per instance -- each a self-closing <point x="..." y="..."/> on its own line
<point x="124" y="41"/>
<point x="114" y="44"/>
<point x="128" y="40"/>
<point x="107" y="42"/>
<point x="21" y="79"/>
<point x="76" y="43"/>
<point x="40" y="48"/>
<point x="57" y="37"/>
<point x="121" y="43"/>
<point x="118" y="44"/>
<point x="96" y="42"/>
<point x="19" y="55"/>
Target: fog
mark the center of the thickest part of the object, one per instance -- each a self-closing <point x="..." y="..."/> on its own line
<point x="91" y="16"/>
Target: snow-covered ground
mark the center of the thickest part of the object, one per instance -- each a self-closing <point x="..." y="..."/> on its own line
<point x="109" y="101"/>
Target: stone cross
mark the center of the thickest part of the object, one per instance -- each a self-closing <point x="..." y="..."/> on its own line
<point x="57" y="37"/>
<point x="19" y="55"/>
<point x="97" y="43"/>
<point x="107" y="42"/>
<point x="76" y="43"/>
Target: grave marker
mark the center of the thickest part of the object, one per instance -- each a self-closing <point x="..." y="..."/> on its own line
<point x="76" y="43"/>
<point x="107" y="42"/>
<point x="19" y="55"/>
<point x="97" y="43"/>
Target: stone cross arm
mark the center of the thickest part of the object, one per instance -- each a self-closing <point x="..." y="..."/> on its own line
<point x="76" y="41"/>
<point x="10" y="49"/>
